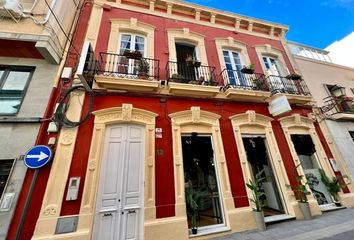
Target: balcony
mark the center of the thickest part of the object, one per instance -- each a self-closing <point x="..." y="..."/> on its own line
<point x="192" y="79"/>
<point x="339" y="107"/>
<point x="259" y="86"/>
<point x="127" y="72"/>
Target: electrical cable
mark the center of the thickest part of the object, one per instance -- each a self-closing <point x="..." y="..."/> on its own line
<point x="60" y="26"/>
<point x="60" y="114"/>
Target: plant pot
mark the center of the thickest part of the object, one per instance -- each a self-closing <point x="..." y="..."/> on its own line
<point x="194" y="230"/>
<point x="143" y="76"/>
<point x="305" y="209"/>
<point x="133" y="55"/>
<point x="338" y="204"/>
<point x="197" y="64"/>
<point x="189" y="63"/>
<point x="259" y="218"/>
<point x="247" y="70"/>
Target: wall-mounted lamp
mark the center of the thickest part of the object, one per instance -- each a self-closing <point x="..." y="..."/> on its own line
<point x="337" y="90"/>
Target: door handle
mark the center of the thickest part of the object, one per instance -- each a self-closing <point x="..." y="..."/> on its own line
<point x="131" y="211"/>
<point x="107" y="214"/>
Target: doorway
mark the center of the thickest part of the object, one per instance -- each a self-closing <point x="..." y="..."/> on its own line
<point x="259" y="160"/>
<point x="306" y="151"/>
<point x="201" y="182"/>
<point x="120" y="206"/>
<point x="188" y="71"/>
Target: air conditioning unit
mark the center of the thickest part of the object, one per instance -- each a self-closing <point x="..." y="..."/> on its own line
<point x="11" y="9"/>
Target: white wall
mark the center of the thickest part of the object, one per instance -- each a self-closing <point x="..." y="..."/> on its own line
<point x="342" y="51"/>
<point x="345" y="144"/>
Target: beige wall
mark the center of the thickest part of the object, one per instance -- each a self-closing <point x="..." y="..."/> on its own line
<point x="49" y="37"/>
<point x="316" y="74"/>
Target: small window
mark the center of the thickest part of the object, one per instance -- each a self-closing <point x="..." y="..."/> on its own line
<point x="351" y="133"/>
<point x="5" y="169"/>
<point x="13" y="84"/>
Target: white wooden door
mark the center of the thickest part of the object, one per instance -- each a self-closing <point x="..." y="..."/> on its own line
<point x="119" y="208"/>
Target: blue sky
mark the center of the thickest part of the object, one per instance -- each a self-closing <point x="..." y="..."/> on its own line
<point x="316" y="23"/>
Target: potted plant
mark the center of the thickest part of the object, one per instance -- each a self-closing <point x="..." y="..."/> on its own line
<point x="301" y="192"/>
<point x="132" y="54"/>
<point x="257" y="193"/>
<point x="123" y="65"/>
<point x="294" y="76"/>
<point x="334" y="186"/>
<point x="143" y="69"/>
<point x="248" y="69"/>
<point x="192" y="201"/>
<point x="177" y="78"/>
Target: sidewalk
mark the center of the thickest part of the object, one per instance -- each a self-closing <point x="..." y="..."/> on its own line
<point x="337" y="225"/>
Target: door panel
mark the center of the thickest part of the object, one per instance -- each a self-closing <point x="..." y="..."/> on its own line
<point x="120" y="195"/>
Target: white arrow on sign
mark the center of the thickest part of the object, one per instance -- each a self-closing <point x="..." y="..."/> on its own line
<point x="40" y="157"/>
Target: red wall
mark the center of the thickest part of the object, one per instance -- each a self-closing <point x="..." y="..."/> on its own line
<point x="161" y="41"/>
<point x="165" y="193"/>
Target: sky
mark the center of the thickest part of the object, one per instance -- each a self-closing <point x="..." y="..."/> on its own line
<point x="316" y="23"/>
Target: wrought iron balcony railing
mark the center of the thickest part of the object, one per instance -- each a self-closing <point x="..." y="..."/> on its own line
<point x="183" y="72"/>
<point x="262" y="82"/>
<point x="333" y="105"/>
<point x="238" y="79"/>
<point x="119" y="65"/>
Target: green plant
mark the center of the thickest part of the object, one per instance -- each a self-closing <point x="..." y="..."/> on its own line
<point x="334" y="185"/>
<point x="250" y="66"/>
<point x="192" y="201"/>
<point x="300" y="188"/>
<point x="254" y="186"/>
<point x="294" y="76"/>
<point x="143" y="66"/>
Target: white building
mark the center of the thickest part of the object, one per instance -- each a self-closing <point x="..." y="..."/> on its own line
<point x="342" y="51"/>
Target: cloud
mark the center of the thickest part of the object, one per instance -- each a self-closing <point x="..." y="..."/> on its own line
<point x="347" y="4"/>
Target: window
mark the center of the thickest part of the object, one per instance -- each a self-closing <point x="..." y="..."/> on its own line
<point x="273" y="69"/>
<point x="233" y="66"/>
<point x="13" y="84"/>
<point x="131" y="42"/>
<point x="351" y="133"/>
<point x="5" y="169"/>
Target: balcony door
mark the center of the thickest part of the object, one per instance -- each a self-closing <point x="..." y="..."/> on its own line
<point x="274" y="71"/>
<point x="233" y="67"/>
<point x="187" y="71"/>
<point x="130" y="42"/>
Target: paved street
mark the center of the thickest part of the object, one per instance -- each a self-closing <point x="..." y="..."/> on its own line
<point x="336" y="225"/>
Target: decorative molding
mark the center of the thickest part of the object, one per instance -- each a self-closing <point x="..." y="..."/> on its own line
<point x="277" y="53"/>
<point x="197" y="120"/>
<point x="250" y="117"/>
<point x="296" y="120"/>
<point x="134" y="26"/>
<point x="251" y="122"/>
<point x="186" y="36"/>
<point x="230" y="43"/>
<point x="124" y="114"/>
<point x="297" y="124"/>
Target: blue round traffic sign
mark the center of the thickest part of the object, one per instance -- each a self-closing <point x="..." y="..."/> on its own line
<point x="38" y="156"/>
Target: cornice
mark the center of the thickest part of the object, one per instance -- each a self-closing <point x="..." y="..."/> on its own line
<point x="255" y="27"/>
